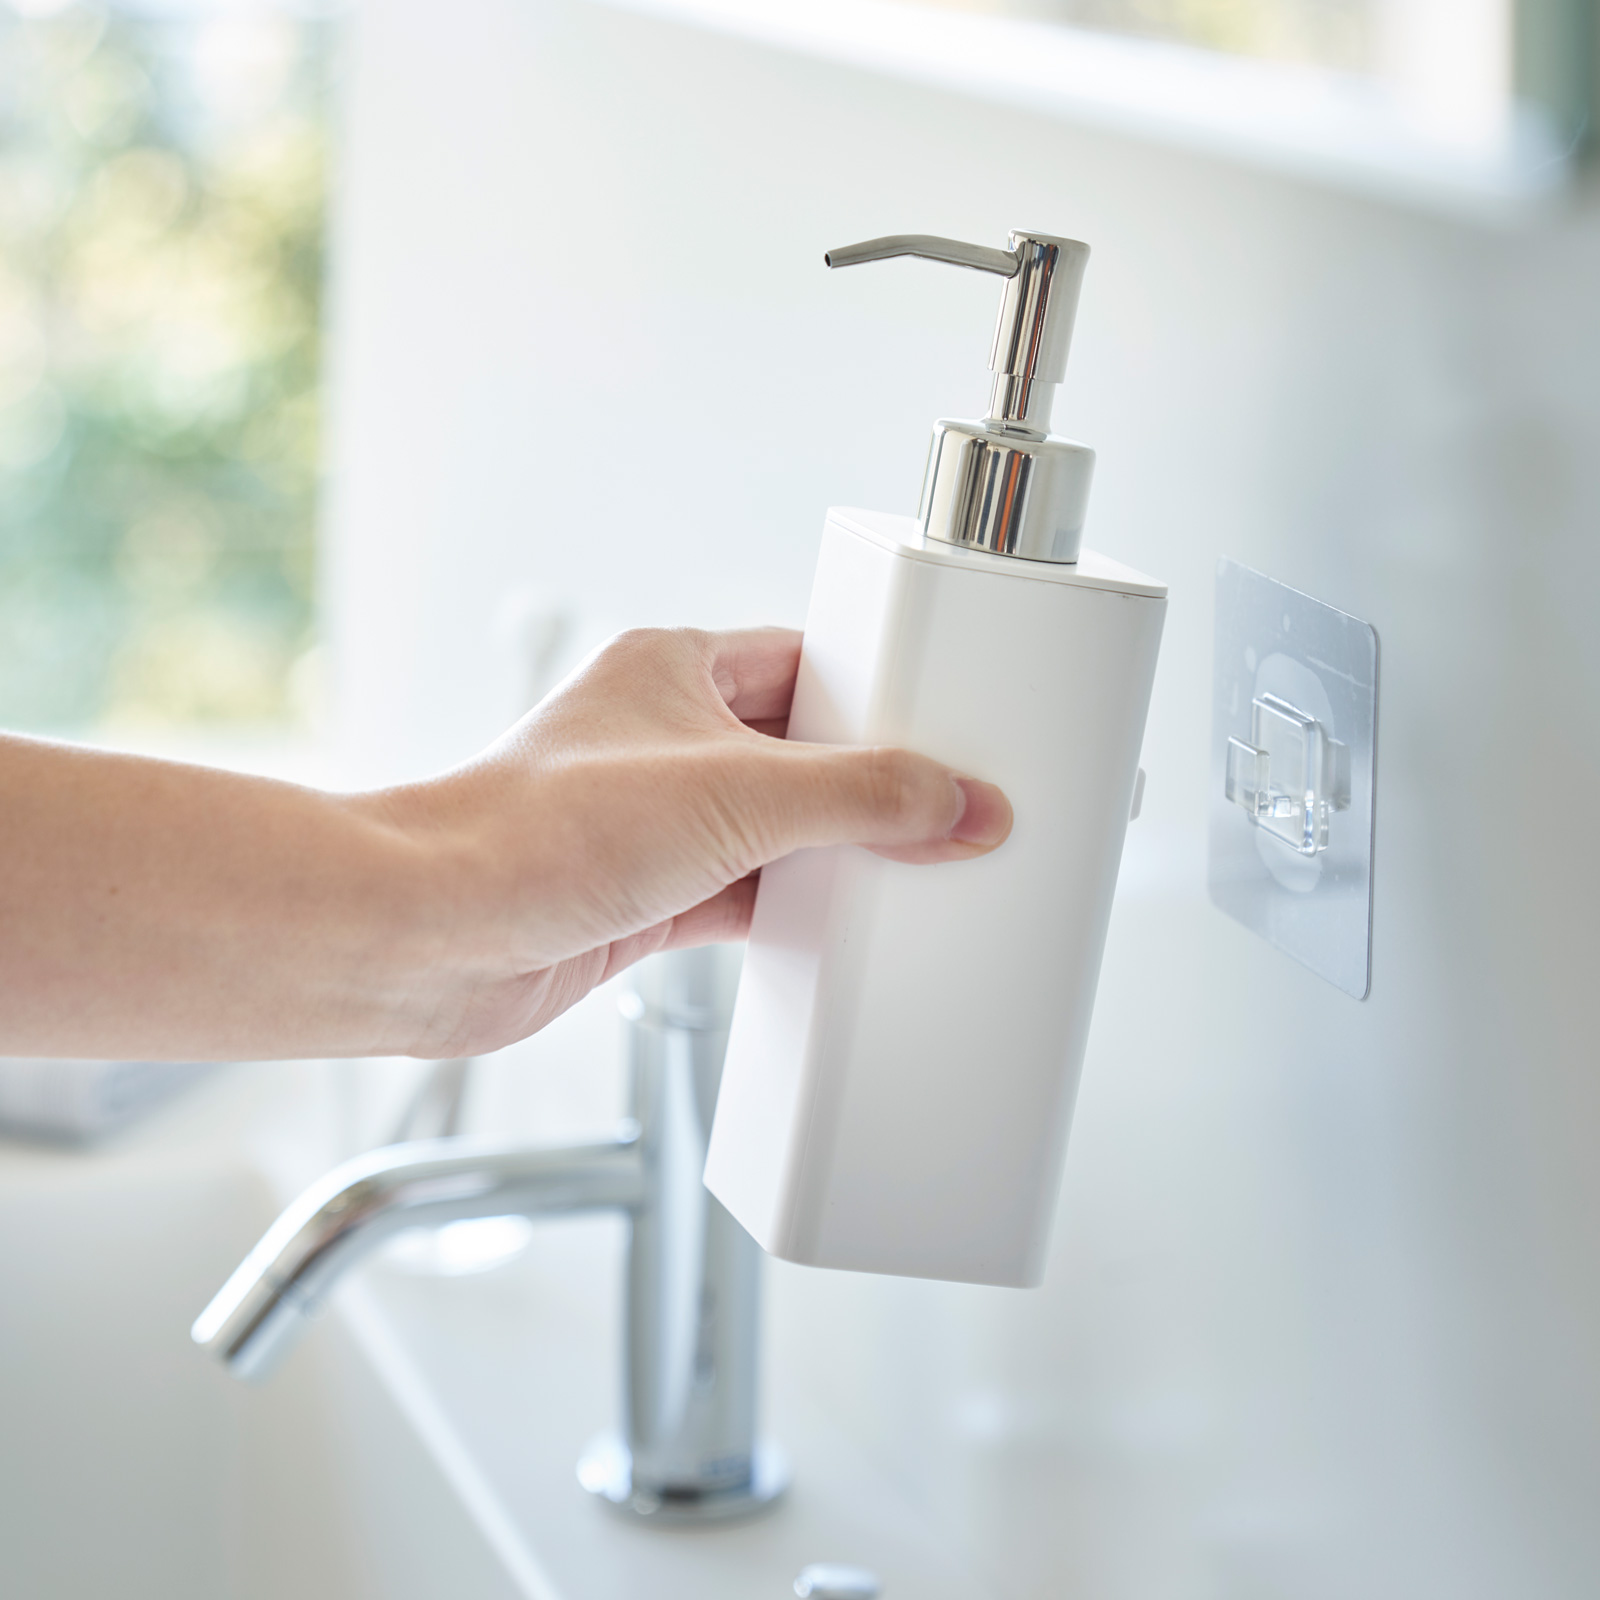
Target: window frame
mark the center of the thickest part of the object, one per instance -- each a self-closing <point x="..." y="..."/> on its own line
<point x="1342" y="129"/>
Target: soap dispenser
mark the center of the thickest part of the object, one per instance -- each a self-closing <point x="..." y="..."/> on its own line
<point x="906" y="1040"/>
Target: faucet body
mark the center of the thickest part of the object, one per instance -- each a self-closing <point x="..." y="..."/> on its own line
<point x="687" y="1449"/>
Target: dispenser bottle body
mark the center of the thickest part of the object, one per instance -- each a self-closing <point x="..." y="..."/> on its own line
<point x="906" y="1042"/>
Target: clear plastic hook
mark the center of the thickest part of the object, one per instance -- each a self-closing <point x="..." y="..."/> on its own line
<point x="1291" y="777"/>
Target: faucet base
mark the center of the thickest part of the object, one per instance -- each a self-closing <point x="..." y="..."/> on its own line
<point x="606" y="1471"/>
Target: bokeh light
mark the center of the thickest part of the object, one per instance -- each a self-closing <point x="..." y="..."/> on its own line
<point x="161" y="220"/>
<point x="1329" y="33"/>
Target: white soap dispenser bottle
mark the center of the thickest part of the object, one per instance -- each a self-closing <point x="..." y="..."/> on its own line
<point x="906" y="1041"/>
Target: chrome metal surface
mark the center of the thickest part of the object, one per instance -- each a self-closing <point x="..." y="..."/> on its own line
<point x="434" y="1111"/>
<point x="694" y="1275"/>
<point x="260" y="1311"/>
<point x="1007" y="494"/>
<point x="606" y="1470"/>
<point x="1033" y="333"/>
<point x="930" y="247"/>
<point x="1004" y="484"/>
<point x="830" y="1580"/>
<point x="690" y="1347"/>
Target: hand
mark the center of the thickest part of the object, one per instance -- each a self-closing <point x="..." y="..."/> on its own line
<point x="152" y="910"/>
<point x="631" y="812"/>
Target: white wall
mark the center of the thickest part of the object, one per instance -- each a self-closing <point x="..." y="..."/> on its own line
<point x="1324" y="1314"/>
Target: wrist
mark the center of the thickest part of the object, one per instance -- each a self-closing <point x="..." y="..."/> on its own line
<point x="435" y="933"/>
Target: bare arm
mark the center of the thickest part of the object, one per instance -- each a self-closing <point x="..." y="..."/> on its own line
<point x="152" y="909"/>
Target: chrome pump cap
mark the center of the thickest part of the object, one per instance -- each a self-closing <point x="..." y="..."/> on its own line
<point x="1003" y="484"/>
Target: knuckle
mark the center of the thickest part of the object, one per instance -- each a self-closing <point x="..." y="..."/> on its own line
<point x="893" y="781"/>
<point x="633" y="644"/>
<point x="655" y="648"/>
<point x="736" y="810"/>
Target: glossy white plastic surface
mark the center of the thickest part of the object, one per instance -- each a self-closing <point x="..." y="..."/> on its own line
<point x="907" y="1040"/>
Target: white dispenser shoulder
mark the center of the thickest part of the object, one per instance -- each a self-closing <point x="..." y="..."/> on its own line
<point x="902" y="536"/>
<point x="906" y="1042"/>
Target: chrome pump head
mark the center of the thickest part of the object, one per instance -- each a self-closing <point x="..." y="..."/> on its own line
<point x="1003" y="484"/>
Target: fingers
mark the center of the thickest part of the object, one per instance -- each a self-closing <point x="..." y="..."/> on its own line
<point x="754" y="670"/>
<point x="723" y="919"/>
<point x="983" y="825"/>
<point x="719" y="920"/>
<point x="901" y="805"/>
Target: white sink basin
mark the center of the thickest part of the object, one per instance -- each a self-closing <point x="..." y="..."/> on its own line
<point x="504" y="1378"/>
<point x="129" y="1468"/>
<point x="421" y="1441"/>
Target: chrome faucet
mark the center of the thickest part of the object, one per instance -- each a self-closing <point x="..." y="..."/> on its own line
<point x="687" y="1449"/>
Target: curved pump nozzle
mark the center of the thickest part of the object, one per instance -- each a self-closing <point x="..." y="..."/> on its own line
<point x="930" y="247"/>
<point x="1003" y="484"/>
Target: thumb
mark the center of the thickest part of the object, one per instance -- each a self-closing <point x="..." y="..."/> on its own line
<point x="896" y="803"/>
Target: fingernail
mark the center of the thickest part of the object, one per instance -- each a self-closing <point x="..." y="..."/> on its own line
<point x="985" y="815"/>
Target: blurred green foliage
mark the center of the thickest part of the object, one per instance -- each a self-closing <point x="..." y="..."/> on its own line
<point x="161" y="222"/>
<point x="1328" y="33"/>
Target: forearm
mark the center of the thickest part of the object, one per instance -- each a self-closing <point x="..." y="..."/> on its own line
<point x="151" y="909"/>
<point x="157" y="910"/>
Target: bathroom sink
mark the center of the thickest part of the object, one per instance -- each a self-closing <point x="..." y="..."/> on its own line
<point x="129" y="1468"/>
<point x="421" y="1441"/>
<point x="505" y="1378"/>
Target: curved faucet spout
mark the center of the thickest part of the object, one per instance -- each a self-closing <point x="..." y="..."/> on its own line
<point x="260" y="1310"/>
<point x="688" y="1450"/>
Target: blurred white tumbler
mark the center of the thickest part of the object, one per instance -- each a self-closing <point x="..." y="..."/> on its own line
<point x="907" y="1040"/>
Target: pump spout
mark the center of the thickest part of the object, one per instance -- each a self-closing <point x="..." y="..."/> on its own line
<point x="1033" y="332"/>
<point x="930" y="247"/>
<point x="1003" y="484"/>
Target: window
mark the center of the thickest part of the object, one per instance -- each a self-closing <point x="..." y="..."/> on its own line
<point x="1474" y="106"/>
<point x="1455" y="67"/>
<point x="1329" y="33"/>
<point x="161" y="217"/>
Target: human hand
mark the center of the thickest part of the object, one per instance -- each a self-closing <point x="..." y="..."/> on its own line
<point x="631" y="811"/>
